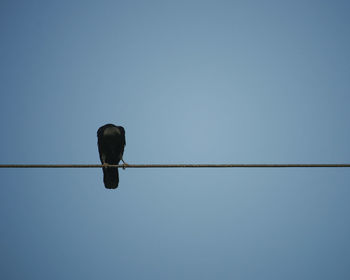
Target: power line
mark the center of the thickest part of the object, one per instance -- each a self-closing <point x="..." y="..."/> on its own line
<point x="174" y="165"/>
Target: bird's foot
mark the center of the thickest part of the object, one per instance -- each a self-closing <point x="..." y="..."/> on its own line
<point x="124" y="164"/>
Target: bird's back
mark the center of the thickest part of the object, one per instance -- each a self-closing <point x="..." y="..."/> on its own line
<point x="111" y="142"/>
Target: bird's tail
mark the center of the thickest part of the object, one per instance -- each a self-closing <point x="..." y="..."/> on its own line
<point x="110" y="177"/>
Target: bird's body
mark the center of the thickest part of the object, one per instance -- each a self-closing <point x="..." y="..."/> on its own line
<point x="111" y="142"/>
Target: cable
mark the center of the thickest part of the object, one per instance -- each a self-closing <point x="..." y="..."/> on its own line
<point x="171" y="165"/>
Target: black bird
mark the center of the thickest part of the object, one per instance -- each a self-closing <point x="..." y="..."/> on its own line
<point x="111" y="142"/>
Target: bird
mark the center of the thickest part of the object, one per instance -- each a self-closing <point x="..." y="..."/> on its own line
<point x="111" y="143"/>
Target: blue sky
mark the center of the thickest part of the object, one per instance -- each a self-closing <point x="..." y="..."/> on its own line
<point x="191" y="82"/>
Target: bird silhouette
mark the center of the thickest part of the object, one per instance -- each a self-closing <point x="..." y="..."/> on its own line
<point x="111" y="143"/>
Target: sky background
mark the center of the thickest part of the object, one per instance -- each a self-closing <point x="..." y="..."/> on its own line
<point x="191" y="82"/>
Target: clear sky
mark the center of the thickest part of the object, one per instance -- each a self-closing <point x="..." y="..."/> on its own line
<point x="191" y="82"/>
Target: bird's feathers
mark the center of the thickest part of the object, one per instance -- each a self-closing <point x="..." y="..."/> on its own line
<point x="111" y="142"/>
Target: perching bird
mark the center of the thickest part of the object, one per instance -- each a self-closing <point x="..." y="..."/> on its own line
<point x="111" y="142"/>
